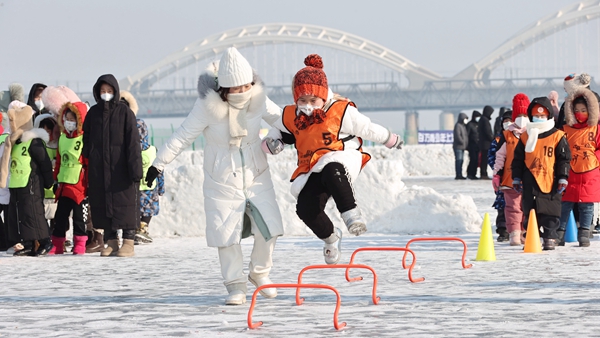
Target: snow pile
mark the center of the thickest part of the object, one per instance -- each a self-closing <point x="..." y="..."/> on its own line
<point x="388" y="205"/>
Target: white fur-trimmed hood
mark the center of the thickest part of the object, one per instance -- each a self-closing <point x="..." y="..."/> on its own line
<point x="592" y="106"/>
<point x="35" y="133"/>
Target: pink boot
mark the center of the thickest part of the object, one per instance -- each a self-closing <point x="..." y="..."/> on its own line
<point x="59" y="245"/>
<point x="79" y="244"/>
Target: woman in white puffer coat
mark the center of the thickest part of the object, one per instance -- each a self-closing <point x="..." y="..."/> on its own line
<point x="238" y="190"/>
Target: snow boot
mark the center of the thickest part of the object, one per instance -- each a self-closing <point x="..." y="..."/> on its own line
<point x="583" y="236"/>
<point x="332" y="250"/>
<point x="549" y="244"/>
<point x="96" y="243"/>
<point x="354" y="221"/>
<point x="503" y="235"/>
<point x="142" y="235"/>
<point x="112" y="247"/>
<point x="237" y="294"/>
<point x="24" y="249"/>
<point x="126" y="249"/>
<point x="259" y="281"/>
<point x="515" y="238"/>
<point x="561" y="238"/>
<point x="79" y="246"/>
<point x="44" y="247"/>
<point x="59" y="245"/>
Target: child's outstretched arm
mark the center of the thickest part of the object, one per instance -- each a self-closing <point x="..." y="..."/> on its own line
<point x="355" y="123"/>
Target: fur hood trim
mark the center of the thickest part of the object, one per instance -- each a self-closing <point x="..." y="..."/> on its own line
<point x="219" y="109"/>
<point x="35" y="133"/>
<point x="592" y="106"/>
<point x="131" y="101"/>
<point x="41" y="117"/>
<point x="55" y="97"/>
<point x="17" y="92"/>
<point x="79" y="109"/>
<point x="209" y="82"/>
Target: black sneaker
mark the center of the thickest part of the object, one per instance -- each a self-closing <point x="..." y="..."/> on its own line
<point x="549" y="244"/>
<point x="45" y="247"/>
<point x="503" y="236"/>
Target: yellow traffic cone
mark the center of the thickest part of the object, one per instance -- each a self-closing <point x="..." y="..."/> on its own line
<point x="485" y="250"/>
<point x="532" y="237"/>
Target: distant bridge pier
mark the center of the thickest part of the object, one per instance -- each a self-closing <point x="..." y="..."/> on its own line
<point x="412" y="127"/>
<point x="447" y="120"/>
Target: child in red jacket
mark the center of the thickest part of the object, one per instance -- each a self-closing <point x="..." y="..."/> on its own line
<point x="71" y="174"/>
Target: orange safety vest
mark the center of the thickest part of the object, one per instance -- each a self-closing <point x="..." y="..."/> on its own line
<point x="318" y="139"/>
<point x="583" y="147"/>
<point x="511" y="144"/>
<point x="540" y="161"/>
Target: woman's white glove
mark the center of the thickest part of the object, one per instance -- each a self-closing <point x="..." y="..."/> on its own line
<point x="271" y="146"/>
<point x="394" y="142"/>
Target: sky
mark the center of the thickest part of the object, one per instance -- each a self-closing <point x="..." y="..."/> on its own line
<point x="73" y="42"/>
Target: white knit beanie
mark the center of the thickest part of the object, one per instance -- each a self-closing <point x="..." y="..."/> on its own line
<point x="234" y="69"/>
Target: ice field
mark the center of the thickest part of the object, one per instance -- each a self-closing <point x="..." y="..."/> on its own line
<point x="173" y="287"/>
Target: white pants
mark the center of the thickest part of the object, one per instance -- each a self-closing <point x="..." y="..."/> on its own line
<point x="232" y="260"/>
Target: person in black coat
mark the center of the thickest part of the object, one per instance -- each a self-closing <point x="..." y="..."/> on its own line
<point x="547" y="204"/>
<point x="31" y="172"/>
<point x="486" y="136"/>
<point x="473" y="145"/>
<point x="34" y="100"/>
<point x="459" y="144"/>
<point x="111" y="143"/>
<point x="498" y="122"/>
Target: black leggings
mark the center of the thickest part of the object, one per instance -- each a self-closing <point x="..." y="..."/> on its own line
<point x="63" y="210"/>
<point x="331" y="181"/>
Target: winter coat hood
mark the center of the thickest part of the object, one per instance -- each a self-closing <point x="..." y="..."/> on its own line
<point x="461" y="118"/>
<point x="14" y="93"/>
<point x="209" y="80"/>
<point x="20" y="121"/>
<point x="130" y="101"/>
<point x="592" y="106"/>
<point x="542" y="101"/>
<point x="80" y="110"/>
<point x="55" y="97"/>
<point x="31" y="97"/>
<point x="110" y="80"/>
<point x="487" y="112"/>
<point x="475" y="115"/>
<point x="55" y="131"/>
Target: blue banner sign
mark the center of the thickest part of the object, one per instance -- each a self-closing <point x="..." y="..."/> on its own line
<point x="436" y="136"/>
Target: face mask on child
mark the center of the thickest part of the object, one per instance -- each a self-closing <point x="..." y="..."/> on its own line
<point x="505" y="125"/>
<point x="70" y="125"/>
<point x="107" y="96"/>
<point x="536" y="119"/>
<point x="521" y="121"/>
<point x="308" y="109"/>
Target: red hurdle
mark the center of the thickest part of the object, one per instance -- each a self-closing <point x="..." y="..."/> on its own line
<point x="465" y="266"/>
<point x="338" y="266"/>
<point x="297" y="287"/>
<point x="406" y="250"/>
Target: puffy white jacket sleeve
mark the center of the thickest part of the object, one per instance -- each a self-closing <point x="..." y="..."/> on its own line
<point x="273" y="116"/>
<point x="190" y="129"/>
<point x="357" y="124"/>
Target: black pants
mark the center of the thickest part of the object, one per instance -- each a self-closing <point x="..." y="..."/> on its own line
<point x="146" y="219"/>
<point x="127" y="234"/>
<point x="331" y="182"/>
<point x="473" y="163"/>
<point x="4" y="240"/>
<point x="500" y="222"/>
<point x="549" y="223"/>
<point x="483" y="165"/>
<point x="63" y="210"/>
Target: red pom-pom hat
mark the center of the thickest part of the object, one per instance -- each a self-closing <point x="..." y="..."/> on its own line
<point x="311" y="80"/>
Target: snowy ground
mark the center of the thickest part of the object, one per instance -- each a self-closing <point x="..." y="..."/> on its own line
<point x="173" y="286"/>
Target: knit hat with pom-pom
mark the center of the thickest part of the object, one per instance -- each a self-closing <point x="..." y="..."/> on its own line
<point x="520" y="104"/>
<point x="576" y="81"/>
<point x="311" y="80"/>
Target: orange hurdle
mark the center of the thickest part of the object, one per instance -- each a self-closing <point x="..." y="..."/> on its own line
<point x="297" y="287"/>
<point x="439" y="239"/>
<point x="414" y="261"/>
<point x="338" y="266"/>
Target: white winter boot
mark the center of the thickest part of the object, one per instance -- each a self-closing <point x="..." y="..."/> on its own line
<point x="515" y="238"/>
<point x="354" y="221"/>
<point x="260" y="281"/>
<point x="332" y="250"/>
<point x="237" y="294"/>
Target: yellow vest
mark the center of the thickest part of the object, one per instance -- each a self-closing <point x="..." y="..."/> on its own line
<point x="69" y="152"/>
<point x="20" y="165"/>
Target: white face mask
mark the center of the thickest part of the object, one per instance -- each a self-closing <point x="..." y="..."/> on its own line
<point x="521" y="121"/>
<point x="39" y="104"/>
<point x="107" y="97"/>
<point x="505" y="125"/>
<point x="539" y="119"/>
<point x="70" y="125"/>
<point x="308" y="109"/>
<point x="466" y="121"/>
<point x="477" y="119"/>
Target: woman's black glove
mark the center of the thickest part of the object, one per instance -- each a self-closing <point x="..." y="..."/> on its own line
<point x="151" y="175"/>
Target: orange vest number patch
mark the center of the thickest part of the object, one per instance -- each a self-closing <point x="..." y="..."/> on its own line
<point x="540" y="161"/>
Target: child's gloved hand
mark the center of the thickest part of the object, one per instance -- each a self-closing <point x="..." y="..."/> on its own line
<point x="151" y="175"/>
<point x="562" y="185"/>
<point x="496" y="182"/>
<point x="394" y="142"/>
<point x="271" y="146"/>
<point x="517" y="184"/>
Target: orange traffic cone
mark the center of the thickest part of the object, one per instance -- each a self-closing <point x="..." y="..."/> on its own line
<point x="485" y="250"/>
<point x="532" y="237"/>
